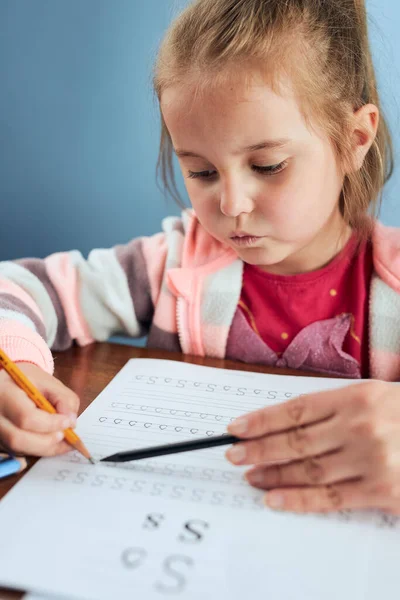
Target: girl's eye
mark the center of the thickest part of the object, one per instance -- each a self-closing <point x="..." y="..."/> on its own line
<point x="267" y="170"/>
<point x="270" y="169"/>
<point x="201" y="174"/>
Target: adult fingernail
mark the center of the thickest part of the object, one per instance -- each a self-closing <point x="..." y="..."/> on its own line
<point x="239" y="426"/>
<point x="73" y="418"/>
<point x="236" y="454"/>
<point x="255" y="477"/>
<point x="59" y="436"/>
<point x="66" y="423"/>
<point x="275" y="500"/>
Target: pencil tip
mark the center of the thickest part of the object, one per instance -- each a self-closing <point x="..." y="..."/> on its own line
<point x="92" y="460"/>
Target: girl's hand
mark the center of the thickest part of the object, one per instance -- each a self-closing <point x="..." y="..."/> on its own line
<point x="339" y="449"/>
<point x="26" y="429"/>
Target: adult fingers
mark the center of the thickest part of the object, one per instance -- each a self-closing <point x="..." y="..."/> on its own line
<point x="325" y="498"/>
<point x="302" y="410"/>
<point x="327" y="469"/>
<point x="296" y="443"/>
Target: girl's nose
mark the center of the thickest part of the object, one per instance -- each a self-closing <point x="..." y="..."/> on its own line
<point x="234" y="200"/>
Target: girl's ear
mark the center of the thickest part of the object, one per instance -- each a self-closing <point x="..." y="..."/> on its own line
<point x="365" y="126"/>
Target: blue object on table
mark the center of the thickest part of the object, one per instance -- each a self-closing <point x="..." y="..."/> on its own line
<point x="126" y="340"/>
<point x="9" y="466"/>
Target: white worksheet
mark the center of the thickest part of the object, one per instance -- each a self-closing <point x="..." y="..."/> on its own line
<point x="185" y="525"/>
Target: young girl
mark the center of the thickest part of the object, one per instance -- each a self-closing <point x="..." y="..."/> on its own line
<point x="272" y="110"/>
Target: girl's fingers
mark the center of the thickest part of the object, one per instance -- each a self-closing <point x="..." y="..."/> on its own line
<point x="300" y="442"/>
<point x="23" y="413"/>
<point x="341" y="496"/>
<point x="302" y="410"/>
<point x="327" y="469"/>
<point x="26" y="442"/>
<point x="65" y="401"/>
<point x="60" y="448"/>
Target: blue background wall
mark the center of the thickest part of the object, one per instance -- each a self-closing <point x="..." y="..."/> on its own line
<point x="79" y="125"/>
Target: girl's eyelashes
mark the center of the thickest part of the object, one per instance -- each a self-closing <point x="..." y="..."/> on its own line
<point x="200" y="174"/>
<point x="270" y="169"/>
<point x="264" y="170"/>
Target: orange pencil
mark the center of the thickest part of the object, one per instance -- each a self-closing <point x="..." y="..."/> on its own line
<point x="40" y="401"/>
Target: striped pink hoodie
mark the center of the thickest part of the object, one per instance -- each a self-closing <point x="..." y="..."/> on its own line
<point x="181" y="287"/>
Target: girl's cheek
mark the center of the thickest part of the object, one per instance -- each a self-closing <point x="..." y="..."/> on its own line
<point x="199" y="196"/>
<point x="204" y="207"/>
<point x="280" y="207"/>
<point x="290" y="217"/>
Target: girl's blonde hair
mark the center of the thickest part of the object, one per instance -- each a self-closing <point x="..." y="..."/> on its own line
<point x="322" y="45"/>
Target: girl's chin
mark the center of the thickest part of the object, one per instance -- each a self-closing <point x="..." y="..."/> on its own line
<point x="264" y="258"/>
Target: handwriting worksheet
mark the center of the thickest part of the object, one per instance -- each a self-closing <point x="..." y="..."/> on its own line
<point x="186" y="525"/>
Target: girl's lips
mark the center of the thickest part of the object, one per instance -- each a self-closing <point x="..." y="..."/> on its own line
<point x="245" y="240"/>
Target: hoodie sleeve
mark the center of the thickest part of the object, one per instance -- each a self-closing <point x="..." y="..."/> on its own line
<point x="48" y="304"/>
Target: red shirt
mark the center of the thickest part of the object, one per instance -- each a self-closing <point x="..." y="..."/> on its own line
<point x="279" y="307"/>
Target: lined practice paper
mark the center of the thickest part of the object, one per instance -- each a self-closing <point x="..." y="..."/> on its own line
<point x="185" y="525"/>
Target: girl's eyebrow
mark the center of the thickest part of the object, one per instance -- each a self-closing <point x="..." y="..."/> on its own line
<point x="267" y="144"/>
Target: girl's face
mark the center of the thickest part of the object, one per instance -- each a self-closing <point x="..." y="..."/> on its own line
<point x="258" y="179"/>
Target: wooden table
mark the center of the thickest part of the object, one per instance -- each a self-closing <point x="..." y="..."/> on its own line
<point x="88" y="370"/>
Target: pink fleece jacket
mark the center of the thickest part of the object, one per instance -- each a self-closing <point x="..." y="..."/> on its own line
<point x="181" y="287"/>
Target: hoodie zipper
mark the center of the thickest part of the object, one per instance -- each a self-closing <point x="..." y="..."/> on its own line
<point x="187" y="326"/>
<point x="370" y="317"/>
<point x="188" y="311"/>
<point x="181" y="324"/>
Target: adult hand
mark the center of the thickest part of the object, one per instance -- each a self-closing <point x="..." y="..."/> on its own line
<point x="338" y="449"/>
